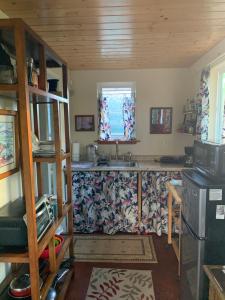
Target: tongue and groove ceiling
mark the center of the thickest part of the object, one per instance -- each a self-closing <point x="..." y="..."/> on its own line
<point x="124" y="34"/>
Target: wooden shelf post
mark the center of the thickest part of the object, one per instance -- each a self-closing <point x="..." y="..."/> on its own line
<point x="25" y="42"/>
<point x="27" y="159"/>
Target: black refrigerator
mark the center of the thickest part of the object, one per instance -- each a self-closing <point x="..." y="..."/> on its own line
<point x="203" y="232"/>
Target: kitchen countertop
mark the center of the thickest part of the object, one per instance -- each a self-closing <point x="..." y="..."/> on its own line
<point x="141" y="166"/>
<point x="216" y="283"/>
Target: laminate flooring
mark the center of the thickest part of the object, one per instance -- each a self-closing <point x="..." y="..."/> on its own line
<point x="164" y="273"/>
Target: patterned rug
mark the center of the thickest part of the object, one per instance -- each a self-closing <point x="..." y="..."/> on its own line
<point x="116" y="248"/>
<point x="114" y="284"/>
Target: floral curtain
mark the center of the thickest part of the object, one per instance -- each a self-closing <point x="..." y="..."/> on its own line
<point x="105" y="202"/>
<point x="154" y="201"/>
<point x="104" y="124"/>
<point x="203" y="106"/>
<point x="129" y="117"/>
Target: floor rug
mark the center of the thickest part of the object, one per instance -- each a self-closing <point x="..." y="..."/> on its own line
<point x="116" y="248"/>
<point x="114" y="284"/>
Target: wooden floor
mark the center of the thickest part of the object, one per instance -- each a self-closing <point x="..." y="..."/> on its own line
<point x="164" y="273"/>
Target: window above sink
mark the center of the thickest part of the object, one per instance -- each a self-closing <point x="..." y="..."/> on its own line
<point x="117" y="112"/>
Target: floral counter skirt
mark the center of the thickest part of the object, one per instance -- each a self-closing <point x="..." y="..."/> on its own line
<point x="107" y="201"/>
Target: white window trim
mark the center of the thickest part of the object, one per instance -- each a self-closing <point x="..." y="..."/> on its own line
<point x="216" y="104"/>
<point x="101" y="85"/>
<point x="120" y="84"/>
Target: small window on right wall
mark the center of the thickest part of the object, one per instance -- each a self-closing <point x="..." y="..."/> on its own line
<point x="217" y="104"/>
<point x="116" y="112"/>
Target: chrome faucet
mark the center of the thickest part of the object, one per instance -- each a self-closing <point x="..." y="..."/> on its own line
<point x="129" y="154"/>
<point x="117" y="149"/>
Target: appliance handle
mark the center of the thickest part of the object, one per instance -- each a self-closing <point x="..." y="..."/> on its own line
<point x="38" y="214"/>
<point x="193" y="234"/>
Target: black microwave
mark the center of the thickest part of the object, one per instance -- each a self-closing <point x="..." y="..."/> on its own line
<point x="209" y="159"/>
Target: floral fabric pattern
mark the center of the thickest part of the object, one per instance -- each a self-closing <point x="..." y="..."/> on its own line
<point x="129" y="118"/>
<point x="104" y="124"/>
<point x="126" y="120"/>
<point x="154" y="201"/>
<point x="203" y="106"/>
<point x="105" y="201"/>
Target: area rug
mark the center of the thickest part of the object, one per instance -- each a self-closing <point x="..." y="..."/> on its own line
<point x="114" y="284"/>
<point x="116" y="248"/>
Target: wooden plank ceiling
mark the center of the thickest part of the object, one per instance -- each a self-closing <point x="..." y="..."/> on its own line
<point x="124" y="34"/>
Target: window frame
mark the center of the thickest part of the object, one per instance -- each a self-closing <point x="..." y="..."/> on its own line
<point x="131" y="85"/>
<point x="217" y="102"/>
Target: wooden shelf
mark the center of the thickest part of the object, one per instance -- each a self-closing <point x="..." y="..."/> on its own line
<point x="9" y="91"/>
<point x="50" y="278"/>
<point x="23" y="257"/>
<point x="46" y="238"/>
<point x="190" y="112"/>
<point x="185" y="132"/>
<point x="27" y="44"/>
<point x="14" y="257"/>
<point x="43" y="96"/>
<point x="50" y="159"/>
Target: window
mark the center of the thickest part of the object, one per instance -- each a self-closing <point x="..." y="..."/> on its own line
<point x="216" y="105"/>
<point x="116" y="111"/>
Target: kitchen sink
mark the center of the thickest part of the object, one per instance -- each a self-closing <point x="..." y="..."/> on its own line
<point x="111" y="164"/>
<point x="122" y="163"/>
<point x="83" y="164"/>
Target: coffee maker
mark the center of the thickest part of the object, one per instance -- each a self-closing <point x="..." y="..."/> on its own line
<point x="188" y="158"/>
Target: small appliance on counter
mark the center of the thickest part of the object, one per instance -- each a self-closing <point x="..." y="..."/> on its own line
<point x="188" y="158"/>
<point x="171" y="159"/>
<point x="209" y="159"/>
<point x="92" y="152"/>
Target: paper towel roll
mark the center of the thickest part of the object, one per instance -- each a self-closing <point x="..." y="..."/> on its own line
<point x="75" y="151"/>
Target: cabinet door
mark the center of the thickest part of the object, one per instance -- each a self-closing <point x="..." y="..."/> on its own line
<point x="127" y="201"/>
<point x="105" y="201"/>
<point x="87" y="199"/>
<point x="154" y="201"/>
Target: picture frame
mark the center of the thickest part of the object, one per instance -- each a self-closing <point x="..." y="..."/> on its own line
<point x="84" y="123"/>
<point x="9" y="143"/>
<point x="161" y="120"/>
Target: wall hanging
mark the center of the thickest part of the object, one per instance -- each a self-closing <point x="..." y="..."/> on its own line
<point x="161" y="120"/>
<point x="84" y="123"/>
<point x="9" y="151"/>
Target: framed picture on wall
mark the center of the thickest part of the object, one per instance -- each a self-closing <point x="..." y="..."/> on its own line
<point x="9" y="149"/>
<point x="84" y="123"/>
<point x="161" y="120"/>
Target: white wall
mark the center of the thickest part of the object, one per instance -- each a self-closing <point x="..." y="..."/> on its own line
<point x="154" y="87"/>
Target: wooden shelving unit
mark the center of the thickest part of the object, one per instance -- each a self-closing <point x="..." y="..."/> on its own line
<point x="31" y="170"/>
<point x="189" y="123"/>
